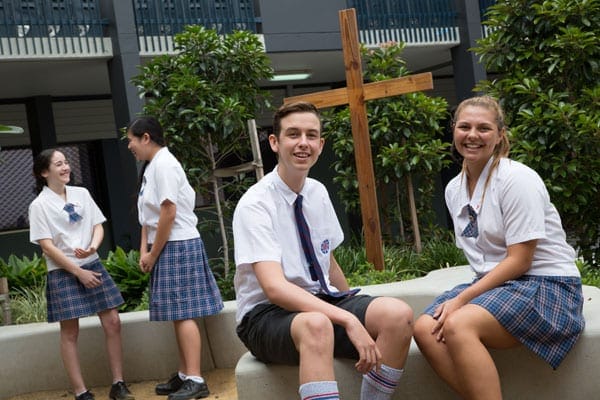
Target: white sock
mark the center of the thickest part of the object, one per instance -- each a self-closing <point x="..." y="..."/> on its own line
<point x="380" y="385"/>
<point x="197" y="379"/>
<point x="322" y="390"/>
<point x="182" y="376"/>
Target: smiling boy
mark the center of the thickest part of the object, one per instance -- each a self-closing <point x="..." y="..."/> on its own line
<point x="294" y="304"/>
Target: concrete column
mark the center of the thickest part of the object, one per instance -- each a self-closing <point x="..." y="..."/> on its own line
<point x="119" y="170"/>
<point x="40" y="120"/>
<point x="468" y="71"/>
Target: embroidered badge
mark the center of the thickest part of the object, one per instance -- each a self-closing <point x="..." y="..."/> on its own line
<point x="325" y="246"/>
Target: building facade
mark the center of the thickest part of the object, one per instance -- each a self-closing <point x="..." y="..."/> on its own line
<point x="66" y="66"/>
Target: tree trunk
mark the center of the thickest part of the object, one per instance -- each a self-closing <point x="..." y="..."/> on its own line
<point x="413" y="212"/>
<point x="219" y="209"/>
<point x="399" y="208"/>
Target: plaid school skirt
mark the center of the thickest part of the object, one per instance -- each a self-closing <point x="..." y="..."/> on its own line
<point x="182" y="285"/>
<point x="544" y="313"/>
<point x="67" y="298"/>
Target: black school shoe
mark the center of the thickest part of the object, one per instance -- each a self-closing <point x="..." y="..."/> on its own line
<point x="190" y="390"/>
<point x="87" y="395"/>
<point x="119" y="391"/>
<point x="171" y="386"/>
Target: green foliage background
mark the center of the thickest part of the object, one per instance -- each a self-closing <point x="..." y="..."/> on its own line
<point x="406" y="141"/>
<point x="28" y="303"/>
<point x="546" y="59"/>
<point x="204" y="95"/>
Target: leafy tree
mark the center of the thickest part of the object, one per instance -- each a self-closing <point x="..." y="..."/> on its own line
<point x="547" y="57"/>
<point x="203" y="96"/>
<point x="406" y="142"/>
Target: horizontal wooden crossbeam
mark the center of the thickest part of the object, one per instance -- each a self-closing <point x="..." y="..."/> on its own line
<point x="373" y="90"/>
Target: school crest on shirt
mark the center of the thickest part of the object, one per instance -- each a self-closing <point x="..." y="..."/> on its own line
<point x="325" y="246"/>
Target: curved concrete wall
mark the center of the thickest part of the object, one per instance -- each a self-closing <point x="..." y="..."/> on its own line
<point x="149" y="351"/>
<point x="524" y="376"/>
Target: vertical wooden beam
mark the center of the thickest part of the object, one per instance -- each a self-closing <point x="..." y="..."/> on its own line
<point x="362" y="142"/>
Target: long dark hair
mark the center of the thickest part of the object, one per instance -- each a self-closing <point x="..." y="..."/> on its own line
<point x="41" y="163"/>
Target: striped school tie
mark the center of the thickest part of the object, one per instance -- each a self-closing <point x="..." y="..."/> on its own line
<point x="471" y="228"/>
<point x="316" y="273"/>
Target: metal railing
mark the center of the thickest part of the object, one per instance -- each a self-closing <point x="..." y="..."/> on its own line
<point x="409" y="21"/>
<point x="51" y="27"/>
<point x="59" y="28"/>
<point x="483" y="7"/>
<point x="158" y="20"/>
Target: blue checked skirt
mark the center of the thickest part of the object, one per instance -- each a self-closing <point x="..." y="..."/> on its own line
<point x="182" y="285"/>
<point x="67" y="298"/>
<point x="542" y="312"/>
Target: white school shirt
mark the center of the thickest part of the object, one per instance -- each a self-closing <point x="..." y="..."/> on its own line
<point x="264" y="229"/>
<point x="164" y="179"/>
<point x="516" y="208"/>
<point x="48" y="220"/>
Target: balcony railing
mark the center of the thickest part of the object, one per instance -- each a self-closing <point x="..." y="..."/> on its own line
<point x="158" y="20"/>
<point x="63" y="28"/>
<point x="59" y="28"/>
<point x="409" y="21"/>
<point x="483" y="7"/>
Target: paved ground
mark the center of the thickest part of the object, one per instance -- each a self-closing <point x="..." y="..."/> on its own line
<point x="221" y="383"/>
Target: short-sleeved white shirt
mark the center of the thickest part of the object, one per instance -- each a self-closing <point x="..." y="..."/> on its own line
<point x="164" y="179"/>
<point x="515" y="208"/>
<point x="264" y="229"/>
<point x="48" y="220"/>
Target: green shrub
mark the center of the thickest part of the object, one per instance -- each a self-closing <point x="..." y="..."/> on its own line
<point x="440" y="254"/>
<point x="125" y="271"/>
<point x="401" y="262"/>
<point x="23" y="272"/>
<point x="589" y="275"/>
<point x="144" y="303"/>
<point x="28" y="304"/>
<point x="224" y="281"/>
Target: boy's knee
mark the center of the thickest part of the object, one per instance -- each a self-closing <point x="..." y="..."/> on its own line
<point x="392" y="314"/>
<point x="312" y="329"/>
<point x="314" y="323"/>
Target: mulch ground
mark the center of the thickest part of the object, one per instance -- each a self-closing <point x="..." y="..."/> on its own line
<point x="221" y="383"/>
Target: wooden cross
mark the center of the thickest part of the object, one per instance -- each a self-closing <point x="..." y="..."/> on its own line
<point x="355" y="94"/>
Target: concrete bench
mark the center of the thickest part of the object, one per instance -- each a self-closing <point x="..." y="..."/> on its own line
<point x="149" y="351"/>
<point x="524" y="376"/>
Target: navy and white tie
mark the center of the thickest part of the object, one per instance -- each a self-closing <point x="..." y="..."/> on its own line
<point x="73" y="216"/>
<point x="471" y="228"/>
<point x="316" y="273"/>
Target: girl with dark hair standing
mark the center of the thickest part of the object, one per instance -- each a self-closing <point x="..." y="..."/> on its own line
<point x="182" y="286"/>
<point x="67" y="224"/>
